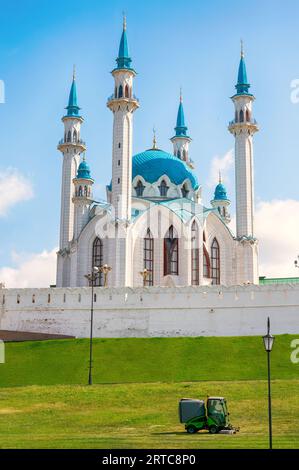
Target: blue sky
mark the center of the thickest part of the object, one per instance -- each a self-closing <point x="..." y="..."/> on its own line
<point x="195" y="44"/>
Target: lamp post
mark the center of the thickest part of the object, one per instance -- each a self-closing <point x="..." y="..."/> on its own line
<point x="268" y="343"/>
<point x="91" y="278"/>
<point x="144" y="275"/>
<point x="105" y="269"/>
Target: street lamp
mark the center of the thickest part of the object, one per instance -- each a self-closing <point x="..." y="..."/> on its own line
<point x="105" y="269"/>
<point x="145" y="273"/>
<point x="268" y="343"/>
<point x="91" y="278"/>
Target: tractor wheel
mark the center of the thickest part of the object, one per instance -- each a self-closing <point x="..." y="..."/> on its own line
<point x="213" y="429"/>
<point x="191" y="429"/>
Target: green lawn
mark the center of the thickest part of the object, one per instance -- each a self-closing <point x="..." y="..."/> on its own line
<point x="145" y="360"/>
<point x="143" y="415"/>
<point x="44" y="402"/>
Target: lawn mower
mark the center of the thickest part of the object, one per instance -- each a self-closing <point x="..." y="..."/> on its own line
<point x="213" y="416"/>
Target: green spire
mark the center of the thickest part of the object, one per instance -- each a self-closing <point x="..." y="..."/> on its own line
<point x="72" y="107"/>
<point x="181" y="128"/>
<point x="123" y="60"/>
<point x="242" y="86"/>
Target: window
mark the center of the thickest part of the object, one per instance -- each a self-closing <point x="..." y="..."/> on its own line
<point x="75" y="135"/>
<point x="206" y="263"/>
<point x="119" y="145"/>
<point x="184" y="155"/>
<point x="148" y="258"/>
<point x="236" y="116"/>
<point x="139" y="188"/>
<point x="69" y="136"/>
<point x="115" y="92"/>
<point x="215" y="260"/>
<point x="241" y="116"/>
<point x="247" y="115"/>
<point x="120" y="91"/>
<point x="163" y="188"/>
<point x="118" y="180"/>
<point x="171" y="252"/>
<point x="118" y="162"/>
<point x="97" y="259"/>
<point x="185" y="190"/>
<point x="194" y="255"/>
<point x="179" y="154"/>
<point x="127" y="91"/>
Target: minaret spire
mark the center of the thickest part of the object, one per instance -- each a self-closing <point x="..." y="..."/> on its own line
<point x="181" y="140"/>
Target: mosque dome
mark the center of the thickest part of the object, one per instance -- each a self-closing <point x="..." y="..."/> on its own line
<point x="154" y="163"/>
<point x="83" y="171"/>
<point x="220" y="192"/>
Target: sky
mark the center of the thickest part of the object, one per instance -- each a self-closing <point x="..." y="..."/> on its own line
<point x="196" y="46"/>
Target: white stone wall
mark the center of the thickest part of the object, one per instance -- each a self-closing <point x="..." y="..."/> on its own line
<point x="156" y="311"/>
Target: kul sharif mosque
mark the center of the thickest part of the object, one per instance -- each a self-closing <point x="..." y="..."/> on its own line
<point x="154" y="230"/>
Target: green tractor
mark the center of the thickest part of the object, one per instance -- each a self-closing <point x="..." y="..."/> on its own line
<point x="213" y="416"/>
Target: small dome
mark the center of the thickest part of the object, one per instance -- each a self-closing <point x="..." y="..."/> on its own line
<point x="154" y="163"/>
<point x="83" y="171"/>
<point x="220" y="193"/>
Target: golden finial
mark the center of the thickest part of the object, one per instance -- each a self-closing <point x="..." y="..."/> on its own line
<point x="154" y="139"/>
<point x="181" y="95"/>
<point x="124" y="21"/>
<point x="74" y="72"/>
<point x="242" y="48"/>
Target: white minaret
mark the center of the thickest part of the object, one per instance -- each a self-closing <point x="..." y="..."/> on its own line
<point x="82" y="198"/>
<point x="71" y="146"/>
<point x="122" y="103"/>
<point x="243" y="127"/>
<point x="181" y="140"/>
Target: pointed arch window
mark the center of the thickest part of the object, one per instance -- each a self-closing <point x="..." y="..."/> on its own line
<point x="247" y="115"/>
<point x="148" y="258"/>
<point x="179" y="154"/>
<point x="75" y="136"/>
<point x="184" y="155"/>
<point x="206" y="263"/>
<point x="97" y="259"/>
<point x="120" y="91"/>
<point x="163" y="188"/>
<point x="215" y="262"/>
<point x="194" y="254"/>
<point x="171" y="252"/>
<point x="139" y="188"/>
<point x="127" y="91"/>
<point x="241" y="115"/>
<point x="69" y="136"/>
<point x="236" y="116"/>
<point x="185" y="190"/>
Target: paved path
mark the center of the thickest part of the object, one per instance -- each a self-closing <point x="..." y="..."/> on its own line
<point x="7" y="336"/>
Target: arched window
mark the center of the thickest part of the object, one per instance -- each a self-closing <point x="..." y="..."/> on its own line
<point x="127" y="91"/>
<point x="215" y="261"/>
<point x="171" y="252"/>
<point x="148" y="258"/>
<point x="241" y="116"/>
<point x="163" y="188"/>
<point x="236" y="116"/>
<point x="194" y="254"/>
<point x="179" y="154"/>
<point x="120" y="91"/>
<point x="204" y="236"/>
<point x="80" y="191"/>
<point x="139" y="188"/>
<point x="97" y="259"/>
<point x="206" y="263"/>
<point x="185" y="190"/>
<point x="85" y="190"/>
<point x="115" y="92"/>
<point x="184" y="155"/>
<point x="69" y="136"/>
<point x="75" y="136"/>
<point x="247" y="115"/>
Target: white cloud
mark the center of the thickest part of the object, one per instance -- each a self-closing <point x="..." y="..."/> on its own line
<point x="221" y="163"/>
<point x="32" y="270"/>
<point x="14" y="188"/>
<point x="277" y="228"/>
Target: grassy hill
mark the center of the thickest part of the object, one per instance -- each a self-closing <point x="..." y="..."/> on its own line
<point x="145" y="360"/>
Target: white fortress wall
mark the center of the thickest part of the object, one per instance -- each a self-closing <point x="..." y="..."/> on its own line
<point x="155" y="311"/>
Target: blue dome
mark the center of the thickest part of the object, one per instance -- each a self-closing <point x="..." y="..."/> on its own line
<point x="83" y="171"/>
<point x="220" y="193"/>
<point x="154" y="163"/>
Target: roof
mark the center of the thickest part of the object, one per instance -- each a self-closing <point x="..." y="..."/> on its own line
<point x="220" y="193"/>
<point x="83" y="171"/>
<point x="181" y="128"/>
<point x="72" y="107"/>
<point x="154" y="163"/>
<point x="242" y="86"/>
<point x="278" y="280"/>
<point x="123" y="60"/>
